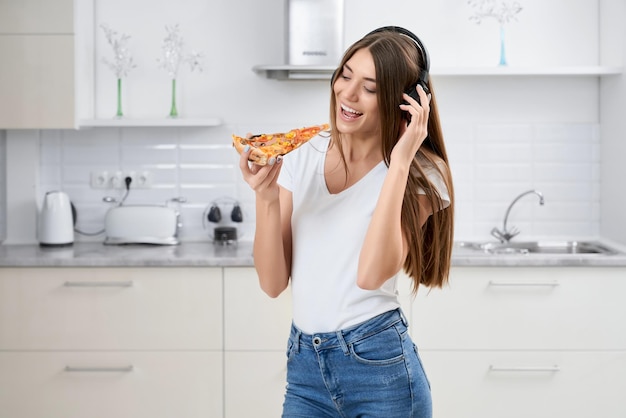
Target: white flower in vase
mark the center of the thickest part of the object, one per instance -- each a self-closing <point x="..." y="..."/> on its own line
<point x="503" y="12"/>
<point x="122" y="61"/>
<point x="173" y="57"/>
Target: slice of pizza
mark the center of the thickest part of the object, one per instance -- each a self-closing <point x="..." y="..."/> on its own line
<point x="265" y="146"/>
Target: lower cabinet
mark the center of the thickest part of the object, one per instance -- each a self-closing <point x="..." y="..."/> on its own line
<point x="525" y="342"/>
<point x="129" y="384"/>
<point x="256" y="329"/>
<point x="522" y="384"/>
<point x="207" y="342"/>
<point x="111" y="342"/>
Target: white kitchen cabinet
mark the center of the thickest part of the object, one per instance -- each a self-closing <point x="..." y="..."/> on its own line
<point x="105" y="384"/>
<point x="522" y="384"/>
<point x="256" y="329"/>
<point x="254" y="383"/>
<point x="252" y="320"/>
<point x="103" y="342"/>
<point x="110" y="309"/>
<point x="37" y="71"/>
<point x="525" y="341"/>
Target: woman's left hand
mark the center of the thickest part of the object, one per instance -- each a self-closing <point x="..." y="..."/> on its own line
<point x="416" y="130"/>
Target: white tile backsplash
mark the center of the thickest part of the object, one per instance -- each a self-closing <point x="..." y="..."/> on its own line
<point x="491" y="164"/>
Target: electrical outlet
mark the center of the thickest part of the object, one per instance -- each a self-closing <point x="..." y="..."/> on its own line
<point x="117" y="179"/>
<point x="100" y="179"/>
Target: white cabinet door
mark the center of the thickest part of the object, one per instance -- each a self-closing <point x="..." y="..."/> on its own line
<point x="253" y="320"/>
<point x="37" y="16"/>
<point x="37" y="71"/>
<point x="524" y="308"/>
<point x="110" y="308"/>
<point x="254" y="383"/>
<point x="37" y="82"/>
<point x="129" y="384"/>
<point x="514" y="384"/>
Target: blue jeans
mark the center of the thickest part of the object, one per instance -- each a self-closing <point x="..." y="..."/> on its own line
<point x="369" y="370"/>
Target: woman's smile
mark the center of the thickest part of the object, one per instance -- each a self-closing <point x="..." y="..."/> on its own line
<point x="349" y="113"/>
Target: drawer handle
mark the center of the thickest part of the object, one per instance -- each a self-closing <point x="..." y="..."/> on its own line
<point x="552" y="283"/>
<point x="98" y="369"/>
<point x="551" y="369"/>
<point x="99" y="284"/>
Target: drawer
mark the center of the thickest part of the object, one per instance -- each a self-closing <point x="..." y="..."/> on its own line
<point x="524" y="308"/>
<point x="110" y="308"/>
<point x="106" y="384"/>
<point x="516" y="384"/>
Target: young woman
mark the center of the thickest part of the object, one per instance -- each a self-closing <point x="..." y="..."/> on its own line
<point x="340" y="217"/>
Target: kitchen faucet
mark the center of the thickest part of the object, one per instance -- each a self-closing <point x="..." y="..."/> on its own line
<point x="505" y="235"/>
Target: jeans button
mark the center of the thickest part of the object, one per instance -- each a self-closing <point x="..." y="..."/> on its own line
<point x="317" y="341"/>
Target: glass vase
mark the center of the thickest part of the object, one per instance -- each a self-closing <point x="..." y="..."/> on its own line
<point x="119" y="113"/>
<point x="173" y="110"/>
<point x="502" y="47"/>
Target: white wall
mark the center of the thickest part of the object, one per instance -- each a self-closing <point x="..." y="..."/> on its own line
<point x="612" y="105"/>
<point x="505" y="134"/>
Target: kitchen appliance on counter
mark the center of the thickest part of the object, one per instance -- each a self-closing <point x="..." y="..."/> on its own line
<point x="224" y="234"/>
<point x="142" y="224"/>
<point x="55" y="223"/>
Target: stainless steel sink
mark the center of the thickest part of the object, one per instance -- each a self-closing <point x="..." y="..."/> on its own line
<point x="540" y="247"/>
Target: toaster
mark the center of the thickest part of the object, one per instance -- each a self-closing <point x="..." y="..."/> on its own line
<point x="142" y="224"/>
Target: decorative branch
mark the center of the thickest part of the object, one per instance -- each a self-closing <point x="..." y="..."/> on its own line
<point x="503" y="12"/>
<point x="172" y="50"/>
<point x="122" y="59"/>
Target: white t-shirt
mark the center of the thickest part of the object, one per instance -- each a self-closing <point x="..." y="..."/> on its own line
<point x="328" y="232"/>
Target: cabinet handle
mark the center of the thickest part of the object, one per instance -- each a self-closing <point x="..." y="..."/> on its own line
<point x="552" y="283"/>
<point x="99" y="369"/>
<point x="552" y="369"/>
<point x="128" y="283"/>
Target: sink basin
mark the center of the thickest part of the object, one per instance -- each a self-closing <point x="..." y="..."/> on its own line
<point x="539" y="247"/>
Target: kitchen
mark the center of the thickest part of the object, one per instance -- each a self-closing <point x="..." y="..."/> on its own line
<point x="552" y="121"/>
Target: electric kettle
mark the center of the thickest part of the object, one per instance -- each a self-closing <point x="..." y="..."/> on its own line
<point x="55" y="226"/>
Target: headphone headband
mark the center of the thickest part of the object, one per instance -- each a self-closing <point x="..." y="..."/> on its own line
<point x="423" y="77"/>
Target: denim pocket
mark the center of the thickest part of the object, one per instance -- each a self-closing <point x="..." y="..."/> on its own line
<point x="382" y="348"/>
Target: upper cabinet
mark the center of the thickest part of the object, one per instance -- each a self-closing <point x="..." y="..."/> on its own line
<point x="37" y="71"/>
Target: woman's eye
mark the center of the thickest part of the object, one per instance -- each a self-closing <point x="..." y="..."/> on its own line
<point x="373" y="91"/>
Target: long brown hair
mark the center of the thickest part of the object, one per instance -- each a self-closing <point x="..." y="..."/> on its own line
<point x="398" y="64"/>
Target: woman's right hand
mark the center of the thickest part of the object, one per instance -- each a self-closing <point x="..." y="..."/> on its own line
<point x="262" y="179"/>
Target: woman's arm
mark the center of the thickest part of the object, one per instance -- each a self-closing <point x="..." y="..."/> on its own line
<point x="272" y="238"/>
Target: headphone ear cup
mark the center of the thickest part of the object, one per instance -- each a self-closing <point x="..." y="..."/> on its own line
<point x="236" y="215"/>
<point x="412" y="91"/>
<point x="215" y="214"/>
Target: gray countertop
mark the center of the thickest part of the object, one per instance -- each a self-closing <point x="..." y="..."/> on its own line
<point x="206" y="254"/>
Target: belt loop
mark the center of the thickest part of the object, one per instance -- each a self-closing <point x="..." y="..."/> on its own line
<point x="296" y="339"/>
<point x="404" y="320"/>
<point x="298" y="336"/>
<point x="342" y="342"/>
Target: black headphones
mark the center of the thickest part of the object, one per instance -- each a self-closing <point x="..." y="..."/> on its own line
<point x="423" y="76"/>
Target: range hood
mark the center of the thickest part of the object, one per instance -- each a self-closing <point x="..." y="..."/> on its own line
<point x="314" y="40"/>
